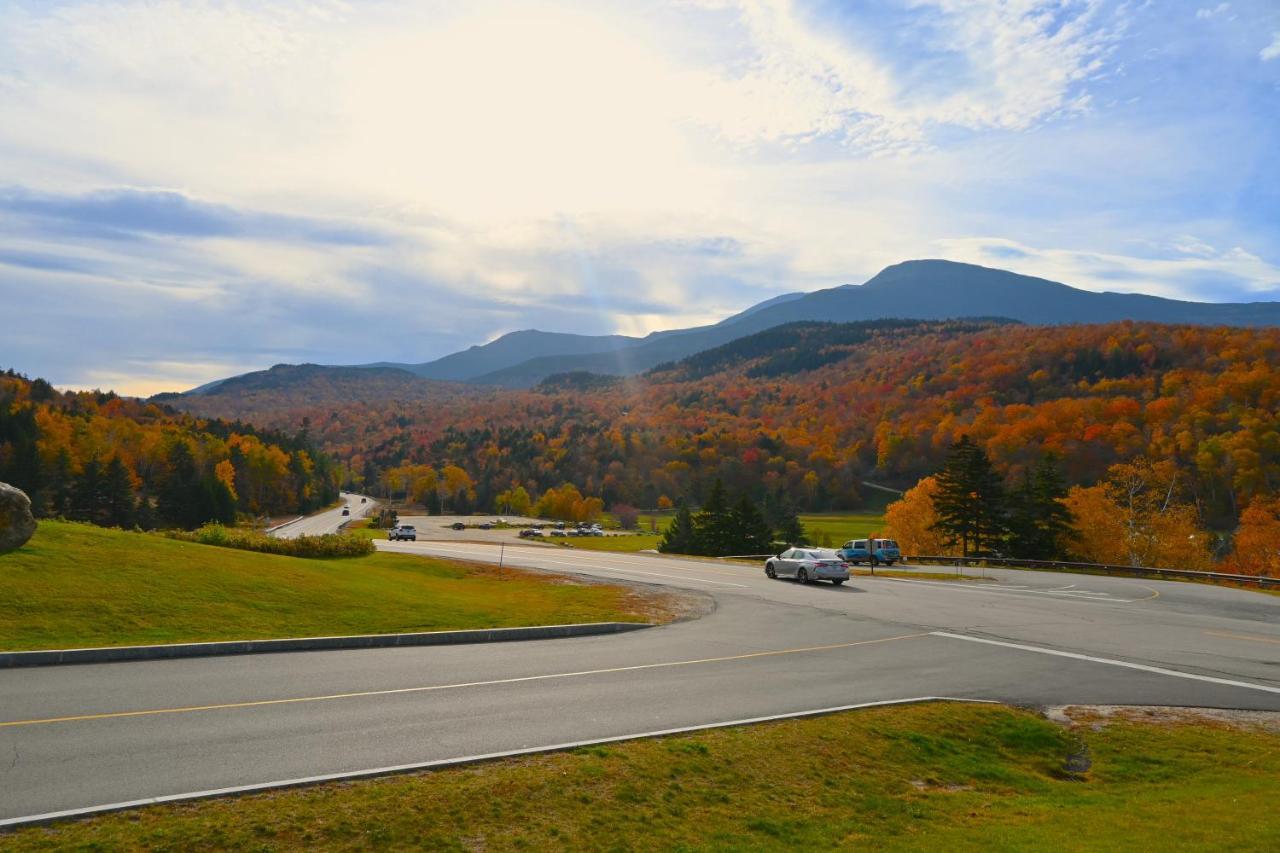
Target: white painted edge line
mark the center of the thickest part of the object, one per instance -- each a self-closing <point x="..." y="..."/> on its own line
<point x="440" y="764"/>
<point x="1248" y="685"/>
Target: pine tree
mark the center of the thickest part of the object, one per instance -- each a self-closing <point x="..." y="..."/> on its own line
<point x="750" y="532"/>
<point x="61" y="483"/>
<point x="117" y="495"/>
<point x="87" y="495"/>
<point x="714" y="535"/>
<point x="181" y="501"/>
<point x="1038" y="518"/>
<point x="679" y="536"/>
<point x="970" y="502"/>
<point x="790" y="530"/>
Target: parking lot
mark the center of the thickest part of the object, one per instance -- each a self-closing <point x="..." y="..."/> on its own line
<point x="439" y="528"/>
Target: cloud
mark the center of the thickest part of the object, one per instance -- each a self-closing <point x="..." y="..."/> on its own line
<point x="1205" y="13"/>
<point x="1271" y="51"/>
<point x="234" y="183"/>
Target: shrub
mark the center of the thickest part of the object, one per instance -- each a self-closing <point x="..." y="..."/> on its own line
<point x="313" y="547"/>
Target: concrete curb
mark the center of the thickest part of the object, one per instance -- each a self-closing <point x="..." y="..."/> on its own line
<point x="116" y="654"/>
<point x="462" y="761"/>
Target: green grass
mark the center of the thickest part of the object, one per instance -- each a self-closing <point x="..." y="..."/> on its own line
<point x="623" y="543"/>
<point x="77" y="585"/>
<point x="928" y="777"/>
<point x="833" y="529"/>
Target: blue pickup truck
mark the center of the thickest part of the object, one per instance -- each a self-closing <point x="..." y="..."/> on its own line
<point x="873" y="551"/>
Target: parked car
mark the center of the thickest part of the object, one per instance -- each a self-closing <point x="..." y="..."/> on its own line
<point x="559" y="525"/>
<point x="346" y="510"/>
<point x="808" y="564"/>
<point x="873" y="551"/>
<point x="527" y="533"/>
<point x="403" y="531"/>
<point x="558" y="532"/>
<point x="458" y="525"/>
<point x="485" y="526"/>
<point x="364" y="500"/>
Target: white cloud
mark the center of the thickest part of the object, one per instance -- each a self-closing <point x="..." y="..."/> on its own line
<point x="1205" y="13"/>
<point x="1271" y="51"/>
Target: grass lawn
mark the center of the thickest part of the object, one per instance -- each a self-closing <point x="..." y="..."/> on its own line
<point x="77" y="585"/>
<point x="624" y="542"/>
<point x="927" y="777"/>
<point x="833" y="529"/>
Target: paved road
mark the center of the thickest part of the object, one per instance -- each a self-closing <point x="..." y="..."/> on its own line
<point x="160" y="728"/>
<point x="328" y="521"/>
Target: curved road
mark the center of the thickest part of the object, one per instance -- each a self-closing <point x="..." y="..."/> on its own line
<point x="328" y="521"/>
<point x="83" y="736"/>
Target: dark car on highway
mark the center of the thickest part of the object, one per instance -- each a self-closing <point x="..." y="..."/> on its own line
<point x="458" y="525"/>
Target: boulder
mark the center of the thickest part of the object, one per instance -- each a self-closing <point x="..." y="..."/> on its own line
<point x="17" y="524"/>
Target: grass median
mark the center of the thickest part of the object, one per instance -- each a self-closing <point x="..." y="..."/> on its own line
<point x="76" y="585"/>
<point x="926" y="777"/>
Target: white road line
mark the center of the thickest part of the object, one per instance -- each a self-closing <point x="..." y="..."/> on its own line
<point x="1018" y="593"/>
<point x="49" y="817"/>
<point x="1248" y="685"/>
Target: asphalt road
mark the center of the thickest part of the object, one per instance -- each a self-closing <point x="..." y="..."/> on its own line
<point x="328" y="521"/>
<point x="74" y="737"/>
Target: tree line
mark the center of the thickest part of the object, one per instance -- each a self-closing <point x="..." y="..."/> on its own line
<point x="721" y="528"/>
<point x="113" y="461"/>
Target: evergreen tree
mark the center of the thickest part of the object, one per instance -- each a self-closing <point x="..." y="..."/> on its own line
<point x="87" y="496"/>
<point x="145" y="514"/>
<point x="1038" y="518"/>
<point x="117" y="495"/>
<point x="61" y="484"/>
<point x="182" y="501"/>
<point x="970" y="502"/>
<point x="714" y="534"/>
<point x="790" y="530"/>
<point x="751" y="534"/>
<point x="679" y="537"/>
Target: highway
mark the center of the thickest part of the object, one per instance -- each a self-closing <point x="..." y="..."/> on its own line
<point x="328" y="521"/>
<point x="82" y="736"/>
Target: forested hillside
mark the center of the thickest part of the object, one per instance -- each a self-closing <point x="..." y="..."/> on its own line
<point x="98" y="457"/>
<point x="808" y="411"/>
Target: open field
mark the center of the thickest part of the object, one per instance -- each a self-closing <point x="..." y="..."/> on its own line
<point x="621" y="543"/>
<point x="938" y="776"/>
<point x="77" y="585"/>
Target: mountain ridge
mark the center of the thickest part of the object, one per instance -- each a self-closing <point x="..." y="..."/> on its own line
<point x="928" y="289"/>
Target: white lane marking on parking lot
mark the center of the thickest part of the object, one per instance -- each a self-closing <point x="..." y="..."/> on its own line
<point x="1158" y="670"/>
<point x="1073" y="595"/>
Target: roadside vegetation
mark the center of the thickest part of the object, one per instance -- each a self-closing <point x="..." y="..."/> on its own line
<point x="925" y="777"/>
<point x="78" y="585"/>
<point x="311" y="547"/>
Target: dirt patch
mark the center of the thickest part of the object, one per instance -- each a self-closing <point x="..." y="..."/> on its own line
<point x="1097" y="717"/>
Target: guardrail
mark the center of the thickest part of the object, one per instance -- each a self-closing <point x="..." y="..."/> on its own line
<point x="1260" y="581"/>
<point x="1105" y="568"/>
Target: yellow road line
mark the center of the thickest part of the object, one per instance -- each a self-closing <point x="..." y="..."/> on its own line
<point x="1250" y="637"/>
<point x="297" y="700"/>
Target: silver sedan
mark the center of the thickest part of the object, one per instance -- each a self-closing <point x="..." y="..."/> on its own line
<point x="807" y="564"/>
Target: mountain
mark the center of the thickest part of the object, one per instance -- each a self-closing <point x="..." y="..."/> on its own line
<point x="512" y="349"/>
<point x="924" y="290"/>
<point x="921" y="289"/>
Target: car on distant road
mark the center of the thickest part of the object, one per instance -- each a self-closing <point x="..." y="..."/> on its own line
<point x="558" y="532"/>
<point x="401" y="532"/>
<point x="458" y="525"/>
<point x="346" y="510"/>
<point x="873" y="551"/>
<point x="485" y="525"/>
<point x="364" y="500"/>
<point x="808" y="564"/>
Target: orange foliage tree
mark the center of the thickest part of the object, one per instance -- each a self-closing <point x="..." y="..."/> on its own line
<point x="1257" y="540"/>
<point x="910" y="521"/>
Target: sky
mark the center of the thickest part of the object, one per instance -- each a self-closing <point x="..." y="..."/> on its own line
<point x="194" y="189"/>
